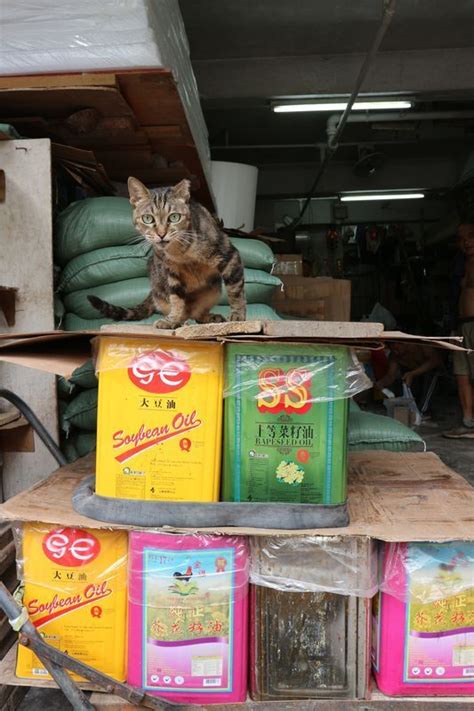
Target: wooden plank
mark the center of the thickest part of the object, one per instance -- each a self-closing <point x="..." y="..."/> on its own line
<point x="11" y="697"/>
<point x="378" y="702"/>
<point x="7" y="557"/>
<point x="60" y="102"/>
<point x="392" y="497"/>
<point x="63" y="80"/>
<point x="8" y="300"/>
<point x="17" y="436"/>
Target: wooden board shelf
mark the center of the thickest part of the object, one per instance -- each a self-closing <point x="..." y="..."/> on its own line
<point x="134" y="121"/>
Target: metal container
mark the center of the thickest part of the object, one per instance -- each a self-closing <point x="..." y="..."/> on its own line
<point x="310" y="644"/>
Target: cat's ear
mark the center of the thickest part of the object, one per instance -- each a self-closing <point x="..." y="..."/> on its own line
<point x="137" y="190"/>
<point x="183" y="190"/>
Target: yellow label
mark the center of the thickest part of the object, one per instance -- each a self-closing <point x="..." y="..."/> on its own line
<point x="159" y="419"/>
<point x="76" y="596"/>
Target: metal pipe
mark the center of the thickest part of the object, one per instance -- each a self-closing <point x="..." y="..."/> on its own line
<point x="333" y="121"/>
<point x="319" y="145"/>
<point x="389" y="11"/>
<point x="13" y="612"/>
<point x="388" y="14"/>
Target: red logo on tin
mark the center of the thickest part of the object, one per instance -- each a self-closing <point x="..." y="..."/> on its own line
<point x="71" y="547"/>
<point x="159" y="372"/>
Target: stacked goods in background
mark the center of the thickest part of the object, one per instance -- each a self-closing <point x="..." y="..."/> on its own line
<point x="423" y="620"/>
<point x="99" y="252"/>
<point x="188" y="616"/>
<point x="321" y="587"/>
<point x="68" y="37"/>
<point x="75" y="592"/>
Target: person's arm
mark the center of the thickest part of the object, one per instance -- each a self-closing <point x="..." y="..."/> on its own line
<point x="433" y="361"/>
<point x="390" y="376"/>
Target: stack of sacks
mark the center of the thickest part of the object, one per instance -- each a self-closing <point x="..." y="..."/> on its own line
<point x="101" y="253"/>
<point x="77" y="405"/>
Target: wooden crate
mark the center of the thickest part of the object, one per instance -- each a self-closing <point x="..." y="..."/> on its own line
<point x="321" y="298"/>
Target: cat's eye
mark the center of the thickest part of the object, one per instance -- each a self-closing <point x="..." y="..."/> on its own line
<point x="174" y="217"/>
<point x="148" y="219"/>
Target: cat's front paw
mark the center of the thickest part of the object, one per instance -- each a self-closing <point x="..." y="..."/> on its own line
<point x="163" y="324"/>
<point x="237" y="316"/>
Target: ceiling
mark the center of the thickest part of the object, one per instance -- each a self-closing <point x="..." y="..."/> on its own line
<point x="245" y="54"/>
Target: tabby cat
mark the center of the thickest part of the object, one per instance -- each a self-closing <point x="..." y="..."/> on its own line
<point x="191" y="258"/>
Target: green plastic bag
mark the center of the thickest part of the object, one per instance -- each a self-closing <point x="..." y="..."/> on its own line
<point x="259" y="288"/>
<point x="84" y="376"/>
<point x="91" y="224"/>
<point x="255" y="312"/>
<point x="104" y="266"/>
<point x="370" y="431"/>
<point x="81" y="412"/>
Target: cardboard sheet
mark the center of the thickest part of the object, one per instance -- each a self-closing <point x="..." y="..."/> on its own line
<point x="392" y="497"/>
<point x="60" y="352"/>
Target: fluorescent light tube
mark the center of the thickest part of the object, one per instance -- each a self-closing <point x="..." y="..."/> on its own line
<point x="340" y="106"/>
<point x="361" y="197"/>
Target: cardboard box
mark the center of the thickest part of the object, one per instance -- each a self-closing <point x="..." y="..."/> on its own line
<point x="392" y="496"/>
<point x="288" y="264"/>
<point x="321" y="298"/>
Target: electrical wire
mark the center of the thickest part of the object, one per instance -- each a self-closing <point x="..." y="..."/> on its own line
<point x="389" y="12"/>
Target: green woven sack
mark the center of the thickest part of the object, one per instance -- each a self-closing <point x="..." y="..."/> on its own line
<point x="254" y="253"/>
<point x="91" y="224"/>
<point x="126" y="293"/>
<point x="94" y="223"/>
<point x="104" y="266"/>
<point x="81" y="412"/>
<point x="370" y="431"/>
<point x="85" y="442"/>
<point x="68" y="449"/>
<point x="255" y="312"/>
<point x="84" y="376"/>
<point x="259" y="288"/>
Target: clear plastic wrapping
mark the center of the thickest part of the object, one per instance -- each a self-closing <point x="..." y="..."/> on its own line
<point x="282" y="376"/>
<point x="423" y="573"/>
<point x="74" y="584"/>
<point x="188" y="614"/>
<point x="345" y="565"/>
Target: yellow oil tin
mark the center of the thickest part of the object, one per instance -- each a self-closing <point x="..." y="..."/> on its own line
<point x="75" y="592"/>
<point x="159" y="419"/>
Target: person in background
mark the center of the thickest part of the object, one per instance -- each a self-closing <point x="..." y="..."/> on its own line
<point x="464" y="362"/>
<point x="410" y="363"/>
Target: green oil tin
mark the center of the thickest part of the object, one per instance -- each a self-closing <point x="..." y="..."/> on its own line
<point x="286" y="412"/>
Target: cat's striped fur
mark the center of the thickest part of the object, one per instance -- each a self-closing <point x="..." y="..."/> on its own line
<point x="191" y="258"/>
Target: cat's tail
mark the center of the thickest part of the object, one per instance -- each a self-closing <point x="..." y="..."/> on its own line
<point x="118" y="313"/>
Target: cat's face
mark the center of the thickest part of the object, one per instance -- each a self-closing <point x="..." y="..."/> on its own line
<point x="162" y="216"/>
